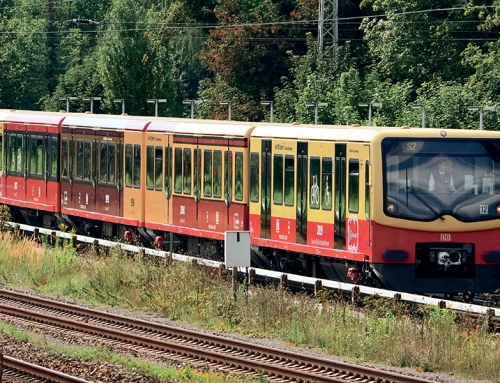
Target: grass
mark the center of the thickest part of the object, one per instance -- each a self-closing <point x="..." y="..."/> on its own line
<point x="383" y="331"/>
<point x="164" y="374"/>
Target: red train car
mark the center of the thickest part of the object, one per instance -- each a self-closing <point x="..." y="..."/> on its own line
<point x="31" y="171"/>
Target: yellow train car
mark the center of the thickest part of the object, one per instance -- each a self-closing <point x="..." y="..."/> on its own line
<point x="207" y="183"/>
<point x="307" y="194"/>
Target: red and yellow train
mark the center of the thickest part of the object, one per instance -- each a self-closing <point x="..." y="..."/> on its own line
<point x="370" y="205"/>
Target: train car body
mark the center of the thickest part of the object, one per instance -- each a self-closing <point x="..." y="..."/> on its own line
<point x="30" y="176"/>
<point x="366" y="205"/>
<point x="431" y="238"/>
<point x="414" y="210"/>
<point x="205" y="174"/>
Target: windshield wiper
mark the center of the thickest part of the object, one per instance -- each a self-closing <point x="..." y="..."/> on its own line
<point x="425" y="203"/>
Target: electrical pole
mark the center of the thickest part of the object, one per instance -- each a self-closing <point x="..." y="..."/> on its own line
<point x="328" y="27"/>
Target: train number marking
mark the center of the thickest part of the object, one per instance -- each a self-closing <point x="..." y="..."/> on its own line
<point x="411" y="146"/>
<point x="483" y="209"/>
<point x="183" y="210"/>
<point x="445" y="237"/>
<point x="320" y="230"/>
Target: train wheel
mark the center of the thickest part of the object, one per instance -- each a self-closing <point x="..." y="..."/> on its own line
<point x="467" y="297"/>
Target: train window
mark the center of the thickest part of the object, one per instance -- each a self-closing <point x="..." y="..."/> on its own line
<point x="278" y="179"/>
<point x="128" y="165"/>
<point x="86" y="160"/>
<point x="326" y="183"/>
<point x="353" y="185"/>
<point x="228" y="175"/>
<point x="111" y="163"/>
<point x="137" y="166"/>
<point x="32" y="155"/>
<point x="158" y="168"/>
<point x="289" y="178"/>
<point x="187" y="171"/>
<point x="94" y="166"/>
<point x="54" y="155"/>
<point x="119" y="165"/>
<point x="79" y="156"/>
<point x="39" y="155"/>
<point x="64" y="159"/>
<point x="168" y="169"/>
<point x="217" y="173"/>
<point x="238" y="179"/>
<point x="71" y="158"/>
<point x="315" y="180"/>
<point x="11" y="152"/>
<point x="178" y="171"/>
<point x="367" y="190"/>
<point x="150" y="170"/>
<point x="254" y="177"/>
<point x="207" y="173"/>
<point x="19" y="154"/>
<point x="103" y="171"/>
<point x="197" y="172"/>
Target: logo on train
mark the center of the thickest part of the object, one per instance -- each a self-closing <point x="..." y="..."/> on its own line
<point x="352" y="234"/>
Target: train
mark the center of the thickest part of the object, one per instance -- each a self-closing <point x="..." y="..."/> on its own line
<point x="360" y="204"/>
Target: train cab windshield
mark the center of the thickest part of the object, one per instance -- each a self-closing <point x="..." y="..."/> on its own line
<point x="428" y="179"/>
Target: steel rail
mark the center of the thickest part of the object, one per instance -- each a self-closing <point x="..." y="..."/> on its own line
<point x="242" y="355"/>
<point x="38" y="371"/>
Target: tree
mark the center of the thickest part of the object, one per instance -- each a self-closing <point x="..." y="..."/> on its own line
<point x="415" y="41"/>
<point x="130" y="61"/>
<point x="24" y="59"/>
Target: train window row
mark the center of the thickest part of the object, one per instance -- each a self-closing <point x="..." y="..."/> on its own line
<point x="212" y="173"/>
<point x="34" y="155"/>
<point x="108" y="172"/>
<point x="320" y="181"/>
<point x="133" y="165"/>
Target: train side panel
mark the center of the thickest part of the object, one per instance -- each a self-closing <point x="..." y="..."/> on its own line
<point x="134" y="171"/>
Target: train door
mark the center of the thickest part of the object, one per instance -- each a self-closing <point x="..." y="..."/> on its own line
<point x="197" y="153"/>
<point x="52" y="180"/>
<point x="106" y="185"/>
<point x="168" y="180"/>
<point x="83" y="186"/>
<point x="67" y="169"/>
<point x="16" y="174"/>
<point x="2" y="162"/>
<point x="228" y="180"/>
<point x="38" y="162"/>
<point x="94" y="172"/>
<point x="356" y="226"/>
<point x="265" y="184"/>
<point x="119" y="175"/>
<point x="340" y="196"/>
<point x="301" y="209"/>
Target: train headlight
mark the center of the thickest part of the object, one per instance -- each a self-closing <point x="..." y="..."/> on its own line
<point x="497" y="209"/>
<point x="449" y="258"/>
<point x="391" y="208"/>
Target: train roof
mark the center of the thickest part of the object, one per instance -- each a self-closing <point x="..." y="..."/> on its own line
<point x="317" y="132"/>
<point x="104" y="121"/>
<point x="201" y="127"/>
<point x="31" y="117"/>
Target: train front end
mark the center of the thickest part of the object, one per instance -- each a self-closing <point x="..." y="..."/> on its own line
<point x="436" y="213"/>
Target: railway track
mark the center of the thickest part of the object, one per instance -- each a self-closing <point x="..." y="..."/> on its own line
<point x="15" y="370"/>
<point x="187" y="346"/>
